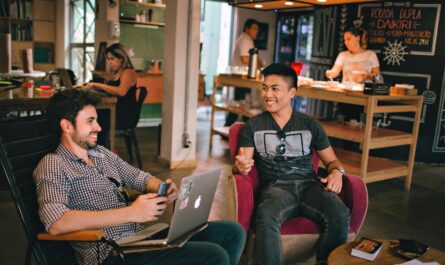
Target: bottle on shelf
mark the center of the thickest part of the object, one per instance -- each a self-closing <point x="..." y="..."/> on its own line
<point x="253" y="63"/>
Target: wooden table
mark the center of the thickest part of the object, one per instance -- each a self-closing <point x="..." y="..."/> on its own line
<point x="24" y="99"/>
<point x="342" y="255"/>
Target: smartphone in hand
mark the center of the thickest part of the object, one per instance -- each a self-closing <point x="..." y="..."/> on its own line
<point x="163" y="187"/>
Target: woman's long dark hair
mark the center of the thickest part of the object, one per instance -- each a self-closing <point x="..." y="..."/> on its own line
<point x="359" y="32"/>
<point x="119" y="51"/>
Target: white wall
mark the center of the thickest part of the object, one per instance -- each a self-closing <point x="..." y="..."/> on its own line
<point x="181" y="71"/>
<point x="269" y="17"/>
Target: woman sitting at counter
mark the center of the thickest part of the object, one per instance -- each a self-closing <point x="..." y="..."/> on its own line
<point x="122" y="84"/>
<point x="357" y="63"/>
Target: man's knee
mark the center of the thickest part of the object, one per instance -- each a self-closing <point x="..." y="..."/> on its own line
<point x="214" y="254"/>
<point x="339" y="216"/>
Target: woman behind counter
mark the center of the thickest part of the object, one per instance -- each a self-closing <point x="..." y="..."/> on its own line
<point x="122" y="84"/>
<point x="357" y="63"/>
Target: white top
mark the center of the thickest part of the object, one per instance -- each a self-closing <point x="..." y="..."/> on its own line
<point x="364" y="61"/>
<point x="242" y="46"/>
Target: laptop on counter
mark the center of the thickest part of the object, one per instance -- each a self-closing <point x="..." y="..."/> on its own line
<point x="191" y="212"/>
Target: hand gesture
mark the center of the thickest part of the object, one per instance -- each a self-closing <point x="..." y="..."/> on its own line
<point x="333" y="181"/>
<point x="330" y="74"/>
<point x="172" y="192"/>
<point x="243" y="164"/>
<point x="148" y="207"/>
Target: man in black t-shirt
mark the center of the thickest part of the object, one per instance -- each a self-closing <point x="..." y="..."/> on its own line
<point x="280" y="142"/>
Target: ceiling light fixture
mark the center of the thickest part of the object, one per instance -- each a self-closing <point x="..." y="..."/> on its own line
<point x="321" y="1"/>
<point x="258" y="6"/>
<point x="288" y="3"/>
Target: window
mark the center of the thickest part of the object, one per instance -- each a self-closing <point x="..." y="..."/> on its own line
<point x="82" y="32"/>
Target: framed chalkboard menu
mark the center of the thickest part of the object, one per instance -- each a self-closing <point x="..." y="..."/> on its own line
<point x="399" y="28"/>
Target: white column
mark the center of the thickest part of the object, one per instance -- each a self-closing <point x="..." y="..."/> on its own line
<point x="180" y="82"/>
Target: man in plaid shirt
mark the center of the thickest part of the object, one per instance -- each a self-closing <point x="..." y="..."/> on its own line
<point x="79" y="186"/>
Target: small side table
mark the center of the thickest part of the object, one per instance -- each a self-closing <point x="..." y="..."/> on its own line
<point x="342" y="255"/>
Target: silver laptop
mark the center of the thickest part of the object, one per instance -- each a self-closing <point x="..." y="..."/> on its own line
<point x="191" y="212"/>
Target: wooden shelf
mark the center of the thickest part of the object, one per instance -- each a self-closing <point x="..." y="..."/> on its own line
<point x="161" y="6"/>
<point x="378" y="168"/>
<point x="221" y="131"/>
<point x="236" y="110"/>
<point x="35" y="25"/>
<point x="380" y="137"/>
<point x="238" y="81"/>
<point x="126" y="21"/>
<point x="21" y="20"/>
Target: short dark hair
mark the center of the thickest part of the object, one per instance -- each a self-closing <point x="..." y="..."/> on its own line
<point x="66" y="105"/>
<point x="284" y="71"/>
<point x="249" y="22"/>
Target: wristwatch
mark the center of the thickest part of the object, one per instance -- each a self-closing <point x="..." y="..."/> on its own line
<point x="342" y="170"/>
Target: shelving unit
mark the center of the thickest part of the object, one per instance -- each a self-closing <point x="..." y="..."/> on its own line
<point x="32" y="25"/>
<point x="371" y="169"/>
<point x="231" y="81"/>
<point x="129" y="10"/>
<point x="126" y="21"/>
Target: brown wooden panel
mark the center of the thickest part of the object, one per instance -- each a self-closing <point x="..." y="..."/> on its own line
<point x="154" y="85"/>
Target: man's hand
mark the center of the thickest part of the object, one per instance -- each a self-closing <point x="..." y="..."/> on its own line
<point x="148" y="207"/>
<point x="243" y="164"/>
<point x="334" y="181"/>
<point x="172" y="192"/>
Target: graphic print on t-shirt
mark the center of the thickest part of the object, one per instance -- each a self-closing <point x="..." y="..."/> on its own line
<point x="297" y="143"/>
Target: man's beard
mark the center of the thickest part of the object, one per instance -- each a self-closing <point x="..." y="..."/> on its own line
<point x="85" y="144"/>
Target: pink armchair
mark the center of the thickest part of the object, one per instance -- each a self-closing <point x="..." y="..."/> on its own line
<point x="299" y="235"/>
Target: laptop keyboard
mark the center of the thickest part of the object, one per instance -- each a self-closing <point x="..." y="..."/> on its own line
<point x="143" y="234"/>
<point x="159" y="235"/>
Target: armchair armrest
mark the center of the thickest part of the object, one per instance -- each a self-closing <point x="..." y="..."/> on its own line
<point x="355" y="195"/>
<point x="83" y="235"/>
<point x="246" y="186"/>
<point x="244" y="200"/>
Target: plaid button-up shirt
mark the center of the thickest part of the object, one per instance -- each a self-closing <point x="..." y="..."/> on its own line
<point x="66" y="182"/>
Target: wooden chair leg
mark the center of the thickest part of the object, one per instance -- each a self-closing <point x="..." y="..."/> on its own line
<point x="136" y="147"/>
<point x="127" y="138"/>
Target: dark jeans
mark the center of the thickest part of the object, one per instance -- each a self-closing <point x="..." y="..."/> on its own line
<point x="221" y="243"/>
<point x="283" y="199"/>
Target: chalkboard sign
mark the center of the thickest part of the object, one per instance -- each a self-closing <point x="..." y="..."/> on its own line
<point x="399" y="28"/>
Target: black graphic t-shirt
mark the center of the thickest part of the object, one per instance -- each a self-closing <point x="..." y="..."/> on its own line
<point x="288" y="156"/>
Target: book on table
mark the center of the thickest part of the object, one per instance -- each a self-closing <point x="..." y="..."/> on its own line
<point x="367" y="248"/>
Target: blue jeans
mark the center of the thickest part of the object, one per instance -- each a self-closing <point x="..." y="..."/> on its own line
<point x="283" y="199"/>
<point x="221" y="243"/>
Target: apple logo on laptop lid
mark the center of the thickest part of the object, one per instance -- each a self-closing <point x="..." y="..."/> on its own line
<point x="198" y="202"/>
